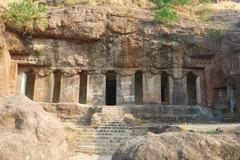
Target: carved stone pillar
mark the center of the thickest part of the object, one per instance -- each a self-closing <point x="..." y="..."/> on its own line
<point x="151" y="88"/>
<point x="14" y="78"/>
<point x="238" y="94"/>
<point x="69" y="91"/>
<point x="22" y="78"/>
<point x="43" y="88"/>
<point x="96" y="87"/>
<point x="198" y="89"/>
<point x="178" y="91"/>
<point x="125" y="89"/>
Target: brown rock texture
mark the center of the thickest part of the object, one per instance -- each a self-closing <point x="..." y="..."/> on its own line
<point x="177" y="145"/>
<point x="27" y="131"/>
<point x="5" y="61"/>
<point x="100" y="39"/>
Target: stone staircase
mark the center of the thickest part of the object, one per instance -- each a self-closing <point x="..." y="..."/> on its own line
<point x="108" y="129"/>
<point x="106" y="137"/>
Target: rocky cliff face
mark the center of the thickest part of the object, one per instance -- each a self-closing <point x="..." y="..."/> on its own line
<point x="4" y="60"/>
<point x="97" y="38"/>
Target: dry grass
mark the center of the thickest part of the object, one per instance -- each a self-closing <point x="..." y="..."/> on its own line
<point x="72" y="136"/>
<point x="185" y="127"/>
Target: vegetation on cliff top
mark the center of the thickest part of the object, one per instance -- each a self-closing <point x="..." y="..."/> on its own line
<point x="166" y="11"/>
<point x="25" y="15"/>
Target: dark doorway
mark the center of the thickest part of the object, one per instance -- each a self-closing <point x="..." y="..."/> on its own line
<point x="56" y="88"/>
<point x="138" y="88"/>
<point x="164" y="88"/>
<point x="30" y="83"/>
<point x="83" y="88"/>
<point x="192" y="88"/>
<point x="111" y="88"/>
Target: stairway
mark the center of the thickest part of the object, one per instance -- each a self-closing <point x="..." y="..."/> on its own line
<point x="107" y="137"/>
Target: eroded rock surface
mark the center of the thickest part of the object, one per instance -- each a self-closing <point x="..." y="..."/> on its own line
<point x="180" y="145"/>
<point x="5" y="60"/>
<point x="26" y="130"/>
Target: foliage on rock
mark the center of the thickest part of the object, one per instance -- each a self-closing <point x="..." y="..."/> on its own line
<point x="26" y="15"/>
<point x="166" y="11"/>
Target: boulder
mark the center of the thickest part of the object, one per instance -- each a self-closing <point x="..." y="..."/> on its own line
<point x="29" y="132"/>
<point x="180" y="146"/>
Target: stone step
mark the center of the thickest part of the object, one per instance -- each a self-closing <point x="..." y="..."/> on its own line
<point x="104" y="137"/>
<point x="97" y="148"/>
<point x="102" y="129"/>
<point x="95" y="152"/>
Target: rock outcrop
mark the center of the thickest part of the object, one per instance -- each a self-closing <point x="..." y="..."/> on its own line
<point x="93" y="38"/>
<point x="5" y="60"/>
<point x="28" y="132"/>
<point x="178" y="145"/>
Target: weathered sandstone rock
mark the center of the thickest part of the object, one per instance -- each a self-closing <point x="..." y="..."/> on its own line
<point x="180" y="145"/>
<point x="5" y="60"/>
<point x="26" y="130"/>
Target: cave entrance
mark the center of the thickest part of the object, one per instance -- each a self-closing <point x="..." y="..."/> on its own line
<point x="56" y="88"/>
<point x="192" y="88"/>
<point x="164" y="88"/>
<point x="138" y="88"/>
<point x="30" y="82"/>
<point x="111" y="88"/>
<point x="83" y="88"/>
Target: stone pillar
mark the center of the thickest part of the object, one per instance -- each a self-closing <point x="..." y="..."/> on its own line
<point x="22" y="78"/>
<point x="151" y="88"/>
<point x="14" y="78"/>
<point x="238" y="94"/>
<point x="96" y="87"/>
<point x="69" y="91"/>
<point x="198" y="89"/>
<point x="43" y="88"/>
<point x="203" y="88"/>
<point x="125" y="89"/>
<point x="178" y="91"/>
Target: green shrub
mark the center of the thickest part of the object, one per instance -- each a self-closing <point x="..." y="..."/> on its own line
<point x="25" y="15"/>
<point x="205" y="14"/>
<point x="213" y="132"/>
<point x="166" y="11"/>
<point x="161" y="3"/>
<point x="218" y="34"/>
<point x="206" y="1"/>
<point x="166" y="14"/>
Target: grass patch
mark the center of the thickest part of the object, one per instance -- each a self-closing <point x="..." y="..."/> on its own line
<point x="26" y="15"/>
<point x="214" y="132"/>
